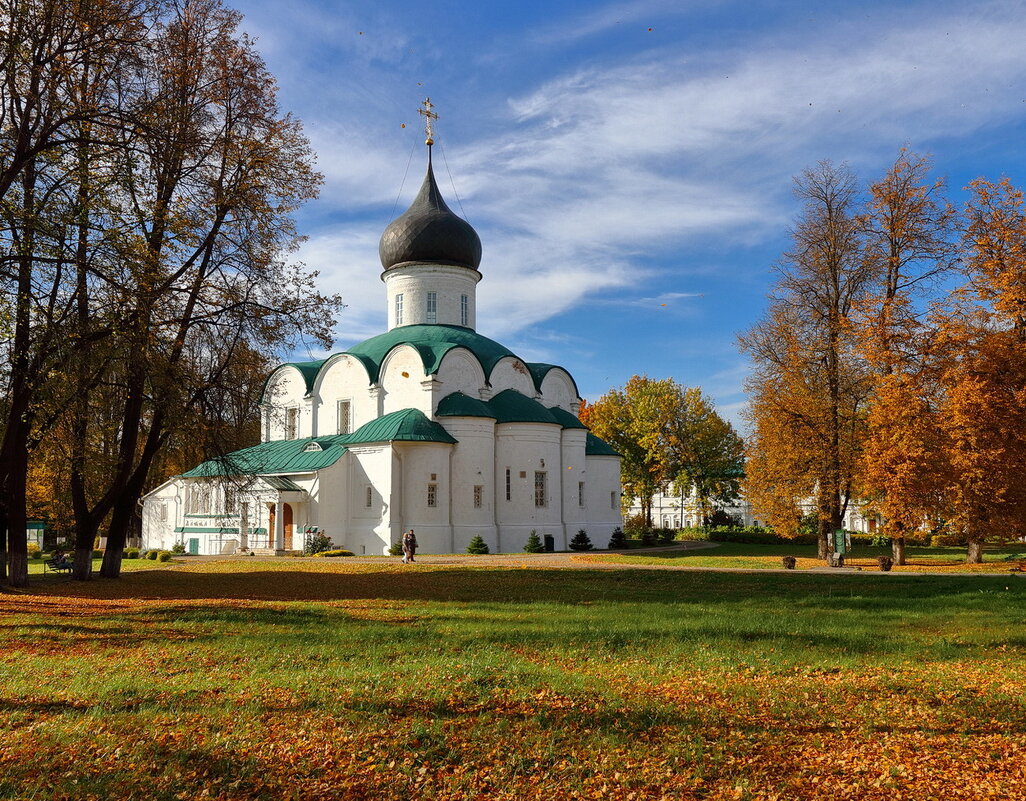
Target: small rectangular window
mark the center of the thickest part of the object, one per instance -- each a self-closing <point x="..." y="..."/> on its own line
<point x="509" y="484"/>
<point x="464" y="310"/>
<point x="432" y="497"/>
<point x="343" y="416"/>
<point x="162" y="511"/>
<point x="478" y="494"/>
<point x="399" y="309"/>
<point x="291" y="423"/>
<point x="540" y="494"/>
<point x="580" y="493"/>
<point x="612" y="500"/>
<point x="370" y="496"/>
<point x="432" y="307"/>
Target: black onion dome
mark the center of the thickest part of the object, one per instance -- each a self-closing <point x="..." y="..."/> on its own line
<point x="428" y="231"/>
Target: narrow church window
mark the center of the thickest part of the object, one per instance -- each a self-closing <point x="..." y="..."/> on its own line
<point x="478" y="492"/>
<point x="432" y="495"/>
<point x="580" y="493"/>
<point x="291" y="423"/>
<point x="343" y="412"/>
<point x="370" y="496"/>
<point x="540" y="496"/>
<point x="432" y="307"/>
<point x="229" y="500"/>
<point x="509" y="484"/>
<point x="162" y="511"/>
<point x="464" y="310"/>
<point x="612" y="500"/>
<point x="399" y="309"/>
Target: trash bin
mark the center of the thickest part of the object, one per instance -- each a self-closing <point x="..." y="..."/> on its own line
<point x="550" y="543"/>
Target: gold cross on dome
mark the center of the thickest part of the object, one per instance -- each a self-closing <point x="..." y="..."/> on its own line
<point x="428" y="115"/>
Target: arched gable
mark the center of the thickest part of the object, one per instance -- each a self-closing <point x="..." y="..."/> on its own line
<point x="512" y="373"/>
<point x="401" y="376"/>
<point x="343" y="379"/>
<point x="285" y="386"/>
<point x="559" y="389"/>
<point x="460" y="371"/>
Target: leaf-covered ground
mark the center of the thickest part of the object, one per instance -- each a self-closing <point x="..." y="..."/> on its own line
<point x="311" y="679"/>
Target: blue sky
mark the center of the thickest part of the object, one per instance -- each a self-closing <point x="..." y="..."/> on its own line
<point x="628" y="166"/>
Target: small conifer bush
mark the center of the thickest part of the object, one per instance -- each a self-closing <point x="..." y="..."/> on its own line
<point x="534" y="543"/>
<point x="477" y="546"/>
<point x="581" y="542"/>
<point x="617" y="540"/>
<point x="396" y="548"/>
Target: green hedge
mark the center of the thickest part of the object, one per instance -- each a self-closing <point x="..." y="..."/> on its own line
<point x="336" y="552"/>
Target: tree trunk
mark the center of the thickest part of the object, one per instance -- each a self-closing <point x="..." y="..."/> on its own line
<point x="898" y="550"/>
<point x="14" y="490"/>
<point x="974" y="553"/>
<point x="117" y="535"/>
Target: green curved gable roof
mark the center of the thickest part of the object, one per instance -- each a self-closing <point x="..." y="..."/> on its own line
<point x="432" y="342"/>
<point x="511" y="406"/>
<point x="598" y="447"/>
<point x="539" y="370"/>
<point x="308" y="370"/>
<point x="276" y="456"/>
<point x="459" y="405"/>
<point x="405" y="425"/>
<point x="565" y="419"/>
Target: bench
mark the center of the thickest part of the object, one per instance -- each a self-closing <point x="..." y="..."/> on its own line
<point x="57" y="567"/>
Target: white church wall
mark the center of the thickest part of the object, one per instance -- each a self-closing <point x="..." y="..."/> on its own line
<point x="161" y="514"/>
<point x="450" y="285"/>
<point x="473" y="480"/>
<point x="525" y="449"/>
<point x="402" y="375"/>
<point x="602" y="491"/>
<point x="558" y="390"/>
<point x="459" y="371"/>
<point x="575" y="483"/>
<point x="426" y="494"/>
<point x="511" y="373"/>
<point x="285" y="390"/>
<point x="343" y="378"/>
<point x="329" y="492"/>
<point x="370" y="477"/>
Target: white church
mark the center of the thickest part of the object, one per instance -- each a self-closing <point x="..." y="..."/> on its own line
<point x="429" y="426"/>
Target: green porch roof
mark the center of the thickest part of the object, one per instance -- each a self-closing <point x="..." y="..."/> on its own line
<point x="598" y="447"/>
<point x="511" y="406"/>
<point x="459" y="405"/>
<point x="565" y="419"/>
<point x="405" y="425"/>
<point x="276" y="456"/>
<point x="282" y="483"/>
<point x="432" y="342"/>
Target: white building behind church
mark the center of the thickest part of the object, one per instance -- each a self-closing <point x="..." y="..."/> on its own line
<point x="429" y="426"/>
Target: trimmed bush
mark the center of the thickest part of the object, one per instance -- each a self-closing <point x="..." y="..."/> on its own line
<point x="789" y="562"/>
<point x="534" y="543"/>
<point x="946" y="541"/>
<point x="34" y="551"/>
<point x="478" y="546"/>
<point x="617" y="540"/>
<point x="151" y="554"/>
<point x="335" y="552"/>
<point x="130" y="553"/>
<point x="163" y="556"/>
<point x="580" y="542"/>
<point x="97" y="554"/>
<point x="885" y="563"/>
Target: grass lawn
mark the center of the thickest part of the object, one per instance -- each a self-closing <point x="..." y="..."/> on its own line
<point x="315" y="679"/>
<point x="754" y="557"/>
<point x="35" y="566"/>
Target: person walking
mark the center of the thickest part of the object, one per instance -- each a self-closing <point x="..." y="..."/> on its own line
<point x="409" y="546"/>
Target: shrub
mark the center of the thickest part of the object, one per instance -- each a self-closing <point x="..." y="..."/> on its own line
<point x="163" y="556"/>
<point x="178" y="547"/>
<point x="580" y="542"/>
<point x="317" y="543"/>
<point x="789" y="562"/>
<point x="478" y="546"/>
<point x="396" y="548"/>
<point x="880" y="541"/>
<point x="534" y="543"/>
<point x="151" y="554"/>
<point x="667" y="535"/>
<point x="334" y="552"/>
<point x="130" y="553"/>
<point x="648" y="538"/>
<point x="946" y="541"/>
<point x="721" y="518"/>
<point x="98" y="554"/>
<point x="885" y="562"/>
<point x="617" y="540"/>
<point x="634" y="525"/>
<point x="34" y="551"/>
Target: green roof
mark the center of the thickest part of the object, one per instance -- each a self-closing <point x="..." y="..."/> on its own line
<point x="282" y="483"/>
<point x="565" y="419"/>
<point x="459" y="405"/>
<point x="598" y="447"/>
<point x="276" y="456"/>
<point x="511" y="406"/>
<point x="432" y="342"/>
<point x="405" y="425"/>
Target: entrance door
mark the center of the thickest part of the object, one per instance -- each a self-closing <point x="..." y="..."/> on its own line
<point x="286" y="514"/>
<point x="194" y="546"/>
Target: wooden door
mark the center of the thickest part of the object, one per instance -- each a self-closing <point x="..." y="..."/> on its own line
<point x="286" y="514"/>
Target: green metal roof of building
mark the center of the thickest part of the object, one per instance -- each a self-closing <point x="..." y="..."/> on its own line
<point x="459" y="405"/>
<point x="511" y="406"/>
<point x="405" y="425"/>
<point x="432" y="342"/>
<point x="598" y="447"/>
<point x="276" y="456"/>
<point x="282" y="483"/>
<point x="565" y="419"/>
